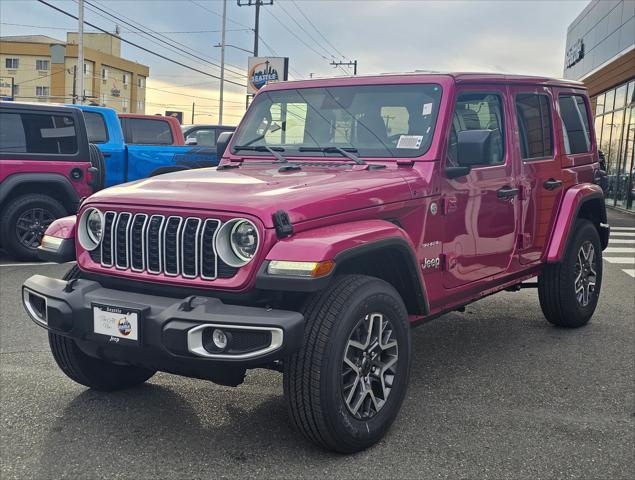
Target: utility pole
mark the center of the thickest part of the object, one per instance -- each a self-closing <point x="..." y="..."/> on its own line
<point x="80" y="53"/>
<point x="193" y="112"/>
<point x="257" y="4"/>
<point x="222" y="65"/>
<point x="74" y="84"/>
<point x="346" y="64"/>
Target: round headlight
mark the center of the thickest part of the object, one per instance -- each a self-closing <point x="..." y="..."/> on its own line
<point x="94" y="225"/>
<point x="90" y="229"/>
<point x="237" y="242"/>
<point x="244" y="240"/>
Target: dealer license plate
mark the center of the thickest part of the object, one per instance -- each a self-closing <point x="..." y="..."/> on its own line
<point x="117" y="323"/>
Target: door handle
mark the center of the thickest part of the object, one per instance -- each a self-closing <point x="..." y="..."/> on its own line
<point x="507" y="192"/>
<point x="107" y="155"/>
<point x="552" y="184"/>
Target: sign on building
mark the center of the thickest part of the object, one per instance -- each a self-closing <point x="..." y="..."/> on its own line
<point x="177" y="115"/>
<point x="263" y="70"/>
<point x="575" y="53"/>
<point x="6" y="88"/>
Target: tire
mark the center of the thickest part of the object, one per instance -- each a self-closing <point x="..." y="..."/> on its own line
<point x="93" y="372"/>
<point x="562" y="303"/>
<point x="89" y="371"/>
<point x="316" y="377"/>
<point x="97" y="161"/>
<point x="27" y="208"/>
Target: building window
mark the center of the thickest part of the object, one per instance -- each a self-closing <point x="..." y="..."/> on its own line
<point x="86" y="69"/>
<point x="16" y="90"/>
<point x="534" y="126"/>
<point x="124" y="105"/>
<point x="141" y="82"/>
<point x="104" y="74"/>
<point x="575" y="123"/>
<point x="42" y="64"/>
<point x="12" y="63"/>
<point x="125" y="79"/>
<point x="42" y="91"/>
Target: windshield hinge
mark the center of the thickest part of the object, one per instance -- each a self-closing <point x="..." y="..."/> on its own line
<point x="405" y="163"/>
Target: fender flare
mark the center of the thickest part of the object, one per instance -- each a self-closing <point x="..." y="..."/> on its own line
<point x="17" y="179"/>
<point x="341" y="243"/>
<point x="572" y="202"/>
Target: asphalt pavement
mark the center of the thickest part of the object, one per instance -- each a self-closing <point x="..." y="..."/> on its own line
<point x="495" y="393"/>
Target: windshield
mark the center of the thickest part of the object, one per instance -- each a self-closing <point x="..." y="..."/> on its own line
<point x="375" y="120"/>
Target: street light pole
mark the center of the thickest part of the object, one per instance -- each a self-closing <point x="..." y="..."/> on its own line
<point x="257" y="4"/>
<point x="222" y="65"/>
<point x="80" y="53"/>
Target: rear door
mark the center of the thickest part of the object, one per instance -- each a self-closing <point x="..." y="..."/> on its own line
<point x="112" y="147"/>
<point x="540" y="177"/>
<point x="481" y="208"/>
<point x="149" y="144"/>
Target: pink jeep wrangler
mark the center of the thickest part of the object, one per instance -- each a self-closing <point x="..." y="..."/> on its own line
<point x="343" y="213"/>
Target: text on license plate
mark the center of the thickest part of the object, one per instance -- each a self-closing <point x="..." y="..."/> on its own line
<point x="116" y="322"/>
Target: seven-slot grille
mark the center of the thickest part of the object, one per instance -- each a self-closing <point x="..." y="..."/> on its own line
<point x="157" y="244"/>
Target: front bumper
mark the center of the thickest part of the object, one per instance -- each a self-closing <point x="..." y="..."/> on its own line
<point x="171" y="330"/>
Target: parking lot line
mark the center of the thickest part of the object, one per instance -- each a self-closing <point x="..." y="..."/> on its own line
<point x="30" y="264"/>
<point x="622" y="234"/>
<point x="622" y="229"/>
<point x="623" y="241"/>
<point x="621" y="260"/>
<point x="629" y="271"/>
<point x="620" y="250"/>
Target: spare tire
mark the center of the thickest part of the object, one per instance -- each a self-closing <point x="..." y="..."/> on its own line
<point x="97" y="161"/>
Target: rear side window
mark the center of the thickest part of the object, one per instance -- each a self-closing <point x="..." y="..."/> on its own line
<point x="534" y="126"/>
<point x="141" y="131"/>
<point x="37" y="133"/>
<point x="96" y="127"/>
<point x="205" y="137"/>
<point x="575" y="124"/>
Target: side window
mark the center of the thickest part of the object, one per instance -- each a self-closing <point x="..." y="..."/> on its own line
<point x="534" y="126"/>
<point x="479" y="111"/>
<point x="12" y="136"/>
<point x="204" y="137"/>
<point x="141" y="131"/>
<point x="575" y="124"/>
<point x="37" y="133"/>
<point x="96" y="127"/>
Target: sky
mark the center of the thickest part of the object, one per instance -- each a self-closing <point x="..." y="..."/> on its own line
<point x="513" y="36"/>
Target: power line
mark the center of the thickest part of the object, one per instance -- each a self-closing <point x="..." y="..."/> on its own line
<point x="142" y="32"/>
<point x="220" y="15"/>
<point x="316" y="29"/>
<point x="284" y="25"/>
<point x="140" y="47"/>
<point x="46" y="27"/>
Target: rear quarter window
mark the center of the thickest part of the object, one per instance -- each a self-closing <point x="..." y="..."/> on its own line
<point x="142" y="131"/>
<point x="96" y="127"/>
<point x="38" y="133"/>
<point x="575" y="124"/>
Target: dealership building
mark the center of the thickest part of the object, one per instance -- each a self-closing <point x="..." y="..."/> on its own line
<point x="600" y="52"/>
<point x="38" y="68"/>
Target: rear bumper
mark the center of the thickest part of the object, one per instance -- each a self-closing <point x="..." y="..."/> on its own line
<point x="171" y="331"/>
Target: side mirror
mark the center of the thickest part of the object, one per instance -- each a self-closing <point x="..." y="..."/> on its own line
<point x="221" y="144"/>
<point x="474" y="147"/>
<point x="456" y="172"/>
<point x="191" y="141"/>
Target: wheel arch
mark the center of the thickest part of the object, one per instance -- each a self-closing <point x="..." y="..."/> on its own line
<point x="582" y="201"/>
<point x="52" y="184"/>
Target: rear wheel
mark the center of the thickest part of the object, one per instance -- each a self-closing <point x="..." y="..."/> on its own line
<point x="569" y="290"/>
<point x="346" y="385"/>
<point x="24" y="221"/>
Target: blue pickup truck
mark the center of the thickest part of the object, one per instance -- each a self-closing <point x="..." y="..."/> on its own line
<point x="140" y="146"/>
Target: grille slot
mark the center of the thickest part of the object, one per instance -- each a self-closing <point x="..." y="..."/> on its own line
<point x="162" y="245"/>
<point x="122" y="230"/>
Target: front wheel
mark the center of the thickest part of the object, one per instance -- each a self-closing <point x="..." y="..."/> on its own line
<point x="569" y="290"/>
<point x="346" y="385"/>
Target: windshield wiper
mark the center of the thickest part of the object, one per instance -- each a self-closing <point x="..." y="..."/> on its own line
<point x="264" y="148"/>
<point x="348" y="152"/>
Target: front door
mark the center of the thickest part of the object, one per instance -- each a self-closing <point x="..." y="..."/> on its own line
<point x="480" y="208"/>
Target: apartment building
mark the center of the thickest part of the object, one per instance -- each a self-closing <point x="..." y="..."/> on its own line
<point x="41" y="68"/>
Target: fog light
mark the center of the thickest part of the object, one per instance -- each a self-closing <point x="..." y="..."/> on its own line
<point x="219" y="338"/>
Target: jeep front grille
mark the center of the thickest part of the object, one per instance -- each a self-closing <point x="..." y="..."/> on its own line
<point x="157" y="244"/>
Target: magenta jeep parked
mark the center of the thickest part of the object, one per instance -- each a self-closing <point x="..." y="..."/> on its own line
<point x="46" y="167"/>
<point x="344" y="212"/>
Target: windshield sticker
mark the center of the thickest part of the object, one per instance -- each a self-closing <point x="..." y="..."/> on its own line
<point x="427" y="109"/>
<point x="412" y="142"/>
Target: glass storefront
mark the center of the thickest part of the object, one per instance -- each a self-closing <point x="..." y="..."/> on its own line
<point x="615" y="132"/>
